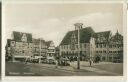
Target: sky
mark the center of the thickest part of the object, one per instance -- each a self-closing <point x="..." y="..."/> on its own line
<point x="53" y="21"/>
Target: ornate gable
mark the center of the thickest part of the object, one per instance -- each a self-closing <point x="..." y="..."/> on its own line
<point x="24" y="38"/>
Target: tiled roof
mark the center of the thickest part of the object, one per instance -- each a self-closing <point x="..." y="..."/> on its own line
<point x="18" y="35"/>
<point x="104" y="34"/>
<point x="85" y="34"/>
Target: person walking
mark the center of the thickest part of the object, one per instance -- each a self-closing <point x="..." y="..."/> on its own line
<point x="90" y="62"/>
<point x="56" y="64"/>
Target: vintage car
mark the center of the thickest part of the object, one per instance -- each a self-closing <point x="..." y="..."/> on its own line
<point x="64" y="62"/>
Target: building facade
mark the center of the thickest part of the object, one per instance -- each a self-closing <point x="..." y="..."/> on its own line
<point x="116" y="48"/>
<point x="20" y="46"/>
<point x="102" y="40"/>
<point x="50" y="50"/>
<point x="40" y="48"/>
<point x="69" y="45"/>
<point x="101" y="45"/>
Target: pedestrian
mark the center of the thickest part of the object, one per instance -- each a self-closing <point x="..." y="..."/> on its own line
<point x="25" y="61"/>
<point x="90" y="62"/>
<point x="56" y="64"/>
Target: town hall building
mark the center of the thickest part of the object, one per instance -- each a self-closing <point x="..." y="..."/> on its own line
<point x="93" y="44"/>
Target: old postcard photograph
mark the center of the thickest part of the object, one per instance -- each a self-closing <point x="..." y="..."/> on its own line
<point x="63" y="39"/>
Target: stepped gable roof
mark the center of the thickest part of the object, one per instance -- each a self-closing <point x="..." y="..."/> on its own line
<point x="117" y="38"/>
<point x="18" y="35"/>
<point x="85" y="34"/>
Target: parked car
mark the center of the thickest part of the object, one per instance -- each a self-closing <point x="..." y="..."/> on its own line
<point x="44" y="60"/>
<point x="64" y="62"/>
<point x="35" y="60"/>
<point x="51" y="61"/>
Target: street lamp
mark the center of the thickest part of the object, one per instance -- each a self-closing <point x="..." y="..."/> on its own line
<point x="78" y="26"/>
<point x="40" y="50"/>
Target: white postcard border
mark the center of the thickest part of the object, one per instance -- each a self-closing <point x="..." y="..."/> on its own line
<point x="65" y="78"/>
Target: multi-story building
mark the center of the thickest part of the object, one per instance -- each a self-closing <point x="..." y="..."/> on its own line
<point x="102" y="40"/>
<point x="109" y="47"/>
<point x="69" y="45"/>
<point x="40" y="48"/>
<point x="50" y="50"/>
<point x="20" y="46"/>
<point x="116" y="48"/>
<point x="92" y="45"/>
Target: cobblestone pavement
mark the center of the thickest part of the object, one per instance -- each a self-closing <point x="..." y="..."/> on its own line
<point x="102" y="67"/>
<point x="53" y="70"/>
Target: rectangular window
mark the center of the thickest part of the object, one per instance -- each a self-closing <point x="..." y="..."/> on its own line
<point x="65" y="46"/>
<point x="96" y="45"/>
<point x="84" y="45"/>
<point x="104" y="45"/>
<point x="100" y="45"/>
<point x="110" y="46"/>
<point x="76" y="46"/>
<point x="80" y="45"/>
<point x="104" y="51"/>
<point x="101" y="51"/>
